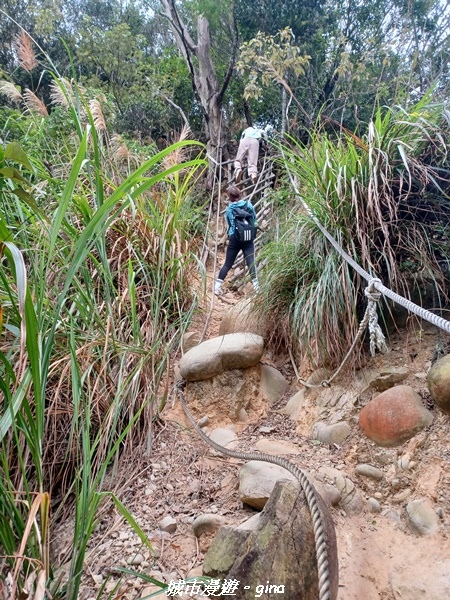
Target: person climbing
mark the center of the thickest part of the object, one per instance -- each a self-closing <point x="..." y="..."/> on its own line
<point x="242" y="223"/>
<point x="249" y="146"/>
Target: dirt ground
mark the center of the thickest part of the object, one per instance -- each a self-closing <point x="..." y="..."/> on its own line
<point x="380" y="558"/>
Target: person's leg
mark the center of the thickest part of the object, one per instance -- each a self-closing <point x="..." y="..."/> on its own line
<point x="249" y="255"/>
<point x="232" y="251"/>
<point x="242" y="151"/>
<point x="252" y="159"/>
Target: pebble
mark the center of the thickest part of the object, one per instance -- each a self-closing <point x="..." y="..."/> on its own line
<point x="203" y="422"/>
<point x="396" y="484"/>
<point x="373" y="506"/>
<point x="403" y="463"/>
<point x="207" y="523"/>
<point x="168" y="524"/>
<point x="136" y="560"/>
<point x="369" y="471"/>
<point x="265" y="429"/>
<point x="400" y="496"/>
<point x="378" y="495"/>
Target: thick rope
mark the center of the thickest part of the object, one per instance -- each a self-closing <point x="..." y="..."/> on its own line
<point x="377" y="339"/>
<point x="320" y="537"/>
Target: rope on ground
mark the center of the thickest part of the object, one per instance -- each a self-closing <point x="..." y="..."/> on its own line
<point x="320" y="538"/>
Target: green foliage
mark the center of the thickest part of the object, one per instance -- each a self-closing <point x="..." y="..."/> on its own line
<point x="380" y="197"/>
<point x="94" y="301"/>
<point x="269" y="59"/>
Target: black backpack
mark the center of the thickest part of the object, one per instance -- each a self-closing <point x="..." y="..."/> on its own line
<point x="244" y="224"/>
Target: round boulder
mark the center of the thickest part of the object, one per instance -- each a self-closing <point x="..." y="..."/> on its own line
<point x="394" y="416"/>
<point x="438" y="381"/>
<point x="219" y="354"/>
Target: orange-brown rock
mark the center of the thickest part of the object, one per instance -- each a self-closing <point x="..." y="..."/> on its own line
<point x="394" y="416"/>
<point x="438" y="380"/>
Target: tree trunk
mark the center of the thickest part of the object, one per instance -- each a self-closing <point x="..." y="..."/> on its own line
<point x="204" y="79"/>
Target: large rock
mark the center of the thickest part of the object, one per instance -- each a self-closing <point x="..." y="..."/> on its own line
<point x="280" y="551"/>
<point x="227" y="352"/>
<point x="273" y="384"/>
<point x="257" y="480"/>
<point x="394" y="416"/>
<point x="336" y="433"/>
<point x="384" y="379"/>
<point x="240" y="318"/>
<point x="438" y="380"/>
<point x="421" y="517"/>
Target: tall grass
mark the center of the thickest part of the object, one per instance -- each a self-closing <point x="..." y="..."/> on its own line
<point x="385" y="199"/>
<point x="95" y="298"/>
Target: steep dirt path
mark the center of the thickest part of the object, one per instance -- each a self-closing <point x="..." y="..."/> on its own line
<point x="380" y="557"/>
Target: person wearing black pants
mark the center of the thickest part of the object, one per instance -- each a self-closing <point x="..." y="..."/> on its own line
<point x="235" y="245"/>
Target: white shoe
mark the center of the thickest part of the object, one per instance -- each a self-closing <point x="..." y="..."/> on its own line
<point x="238" y="175"/>
<point x="218" y="287"/>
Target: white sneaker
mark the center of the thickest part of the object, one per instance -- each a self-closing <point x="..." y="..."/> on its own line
<point x="218" y="287"/>
<point x="238" y="175"/>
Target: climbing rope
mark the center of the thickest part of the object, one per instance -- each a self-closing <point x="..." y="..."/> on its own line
<point x="320" y="537"/>
<point x="377" y="339"/>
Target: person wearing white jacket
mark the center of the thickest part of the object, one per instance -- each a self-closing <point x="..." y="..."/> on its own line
<point x="248" y="147"/>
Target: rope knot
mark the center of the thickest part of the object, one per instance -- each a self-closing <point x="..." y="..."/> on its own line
<point x="371" y="292"/>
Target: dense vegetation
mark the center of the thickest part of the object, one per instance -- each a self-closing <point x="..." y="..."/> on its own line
<point x="104" y="182"/>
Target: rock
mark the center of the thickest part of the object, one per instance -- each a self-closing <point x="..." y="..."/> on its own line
<point x="329" y="493"/>
<point x="401" y="496"/>
<point x="369" y="471"/>
<point x="216" y="355"/>
<point x="189" y="340"/>
<point x="203" y="422"/>
<point x="273" y="384"/>
<point x="265" y="429"/>
<point x="295" y="405"/>
<point x="281" y="550"/>
<point x="403" y="462"/>
<point x="223" y="436"/>
<point x="207" y="523"/>
<point x="385" y="379"/>
<point x="250" y="524"/>
<point x="239" y="318"/>
<point x="438" y="381"/>
<point x="257" y="480"/>
<point x="350" y="498"/>
<point x="223" y="550"/>
<point x="394" y="416"/>
<point x="373" y="506"/>
<point x="138" y="559"/>
<point x="430" y="583"/>
<point x="168" y="524"/>
<point x="421" y="517"/>
<point x="276" y="447"/>
<point x="331" y="434"/>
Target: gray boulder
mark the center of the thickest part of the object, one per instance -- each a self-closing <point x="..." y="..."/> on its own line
<point x="228" y="352"/>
